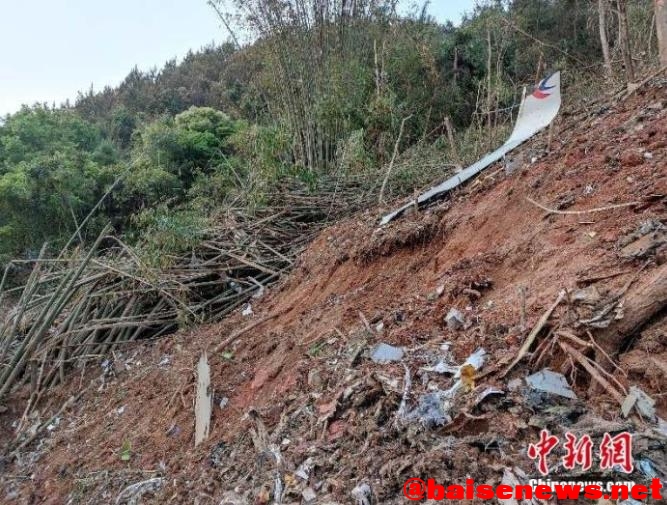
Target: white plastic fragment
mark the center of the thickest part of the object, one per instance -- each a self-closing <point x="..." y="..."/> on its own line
<point x="476" y="359"/>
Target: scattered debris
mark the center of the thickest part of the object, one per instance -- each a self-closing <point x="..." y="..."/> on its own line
<point x="551" y="382"/>
<point x="587" y="296"/>
<point x="132" y="495"/>
<point x="308" y="495"/>
<point x="642" y="402"/>
<point x="305" y="469"/>
<point x="385" y="353"/>
<point x="455" y="319"/>
<point x="511" y="478"/>
<point x="362" y="494"/>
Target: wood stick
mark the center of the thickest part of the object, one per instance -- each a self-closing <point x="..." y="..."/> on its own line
<point x="579" y="212"/>
<point x="583" y="361"/>
<point x="535" y="331"/>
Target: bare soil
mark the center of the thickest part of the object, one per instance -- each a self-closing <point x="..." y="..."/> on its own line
<point x="302" y="381"/>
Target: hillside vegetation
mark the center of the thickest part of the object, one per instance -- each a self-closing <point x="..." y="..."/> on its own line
<point x="319" y="94"/>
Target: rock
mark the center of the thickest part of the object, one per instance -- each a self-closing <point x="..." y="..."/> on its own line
<point x="455" y="319"/>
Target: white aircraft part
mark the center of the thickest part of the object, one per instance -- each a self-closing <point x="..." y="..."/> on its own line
<point x="536" y="112"/>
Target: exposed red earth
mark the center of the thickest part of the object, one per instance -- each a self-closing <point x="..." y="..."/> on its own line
<point x="304" y="375"/>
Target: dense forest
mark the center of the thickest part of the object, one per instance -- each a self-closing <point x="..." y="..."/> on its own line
<point x="321" y="91"/>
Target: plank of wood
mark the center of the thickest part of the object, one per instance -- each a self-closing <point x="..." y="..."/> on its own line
<point x="203" y="402"/>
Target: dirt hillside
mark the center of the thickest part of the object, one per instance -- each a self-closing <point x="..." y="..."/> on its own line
<point x="299" y="406"/>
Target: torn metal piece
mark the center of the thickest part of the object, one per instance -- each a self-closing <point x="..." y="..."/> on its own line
<point x="132" y="494"/>
<point x="385" y="353"/>
<point x="551" y="382"/>
<point x="362" y="494"/>
<point x="490" y="391"/>
<point x="455" y="319"/>
<point x="536" y="112"/>
<point x="644" y="404"/>
<point x="515" y="477"/>
<point x="432" y="410"/>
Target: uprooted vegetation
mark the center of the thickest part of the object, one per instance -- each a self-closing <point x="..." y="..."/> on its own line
<point x="302" y="409"/>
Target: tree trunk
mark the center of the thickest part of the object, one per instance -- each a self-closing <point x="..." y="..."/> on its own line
<point x="624" y="35"/>
<point x="661" y="29"/>
<point x="641" y="304"/>
<point x="604" y="42"/>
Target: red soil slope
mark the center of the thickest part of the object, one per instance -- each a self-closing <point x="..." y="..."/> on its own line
<point x="304" y="375"/>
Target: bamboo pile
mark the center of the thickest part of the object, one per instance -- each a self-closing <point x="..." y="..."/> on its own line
<point x="82" y="304"/>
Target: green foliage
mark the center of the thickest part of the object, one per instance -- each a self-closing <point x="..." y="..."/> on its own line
<point x="166" y="232"/>
<point x="319" y="95"/>
<point x="54" y="166"/>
